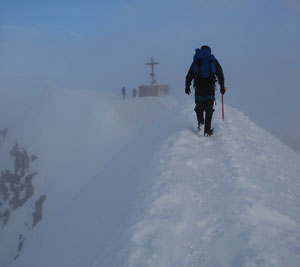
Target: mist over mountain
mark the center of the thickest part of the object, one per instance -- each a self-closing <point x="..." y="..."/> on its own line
<point x="88" y="179"/>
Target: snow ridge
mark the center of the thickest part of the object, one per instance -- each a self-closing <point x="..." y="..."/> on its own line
<point x="221" y="201"/>
<point x="131" y="183"/>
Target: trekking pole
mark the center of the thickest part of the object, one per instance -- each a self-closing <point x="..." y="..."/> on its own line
<point x="223" y="107"/>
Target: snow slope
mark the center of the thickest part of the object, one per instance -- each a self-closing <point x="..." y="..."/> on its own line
<point x="76" y="136"/>
<point x="132" y="184"/>
<point x="229" y="200"/>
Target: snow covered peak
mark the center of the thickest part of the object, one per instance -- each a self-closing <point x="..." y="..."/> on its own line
<point x="131" y="183"/>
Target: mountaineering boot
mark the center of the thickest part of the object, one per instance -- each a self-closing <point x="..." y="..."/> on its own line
<point x="209" y="132"/>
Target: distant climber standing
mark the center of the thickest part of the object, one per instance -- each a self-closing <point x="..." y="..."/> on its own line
<point x="134" y="91"/>
<point x="123" y="92"/>
<point x="203" y="71"/>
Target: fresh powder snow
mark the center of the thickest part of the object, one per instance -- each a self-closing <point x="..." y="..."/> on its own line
<point x="132" y="183"/>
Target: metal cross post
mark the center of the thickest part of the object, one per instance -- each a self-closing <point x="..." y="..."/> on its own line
<point x="152" y="63"/>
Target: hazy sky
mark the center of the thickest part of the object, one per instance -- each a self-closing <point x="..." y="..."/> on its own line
<point x="104" y="45"/>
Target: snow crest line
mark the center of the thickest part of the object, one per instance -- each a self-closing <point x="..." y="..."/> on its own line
<point x="219" y="201"/>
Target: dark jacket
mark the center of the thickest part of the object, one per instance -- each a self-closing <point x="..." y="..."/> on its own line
<point x="205" y="87"/>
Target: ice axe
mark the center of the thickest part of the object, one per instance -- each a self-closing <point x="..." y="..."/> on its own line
<point x="223" y="107"/>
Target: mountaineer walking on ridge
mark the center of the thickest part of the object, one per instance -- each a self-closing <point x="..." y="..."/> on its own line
<point x="204" y="70"/>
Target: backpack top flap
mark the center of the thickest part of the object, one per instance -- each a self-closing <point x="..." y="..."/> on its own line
<point x="204" y="63"/>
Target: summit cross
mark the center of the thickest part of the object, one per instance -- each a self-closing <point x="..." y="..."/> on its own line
<point x="152" y="63"/>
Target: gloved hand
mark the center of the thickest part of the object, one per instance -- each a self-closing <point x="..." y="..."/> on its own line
<point x="222" y="90"/>
<point x="187" y="90"/>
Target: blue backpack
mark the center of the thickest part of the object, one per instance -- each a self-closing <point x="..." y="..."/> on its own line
<point x="204" y="63"/>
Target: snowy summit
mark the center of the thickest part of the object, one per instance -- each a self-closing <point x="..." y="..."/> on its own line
<point x="90" y="180"/>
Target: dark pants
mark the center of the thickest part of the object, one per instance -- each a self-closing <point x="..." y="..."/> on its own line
<point x="207" y="106"/>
